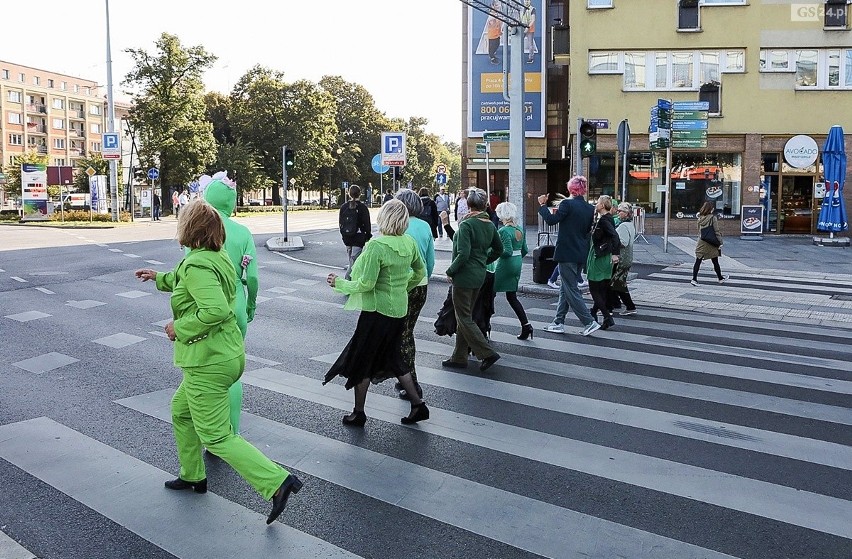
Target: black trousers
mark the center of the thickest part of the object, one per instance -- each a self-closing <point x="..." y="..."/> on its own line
<point x="697" y="266"/>
<point x="598" y="291"/>
<point x="512" y="298"/>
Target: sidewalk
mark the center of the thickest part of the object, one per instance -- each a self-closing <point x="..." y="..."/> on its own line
<point x="753" y="266"/>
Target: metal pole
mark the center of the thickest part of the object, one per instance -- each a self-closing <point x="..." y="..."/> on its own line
<point x="668" y="197"/>
<point x="517" y="144"/>
<point x="61" y="199"/>
<point x="624" y="173"/>
<point x="113" y="164"/>
<point x="488" y="169"/>
<point x="152" y="202"/>
<point x="284" y="188"/>
<point x="578" y="151"/>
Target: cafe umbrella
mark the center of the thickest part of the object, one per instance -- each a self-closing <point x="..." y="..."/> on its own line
<point x="832" y="214"/>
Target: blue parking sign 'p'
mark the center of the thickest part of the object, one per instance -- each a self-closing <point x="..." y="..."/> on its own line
<point x="110" y="140"/>
<point x="393" y="144"/>
<point x="393" y="148"/>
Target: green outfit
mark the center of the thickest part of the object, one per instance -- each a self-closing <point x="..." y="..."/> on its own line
<point x="239" y="245"/>
<point x="508" y="270"/>
<point x="209" y="348"/>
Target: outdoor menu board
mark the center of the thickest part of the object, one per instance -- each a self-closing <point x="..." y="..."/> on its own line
<point x="751" y="220"/>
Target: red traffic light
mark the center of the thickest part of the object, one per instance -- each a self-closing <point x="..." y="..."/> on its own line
<point x="588" y="129"/>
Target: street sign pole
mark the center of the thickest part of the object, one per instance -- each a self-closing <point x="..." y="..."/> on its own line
<point x="152" y="201"/>
<point x="488" y="169"/>
<point x="668" y="197"/>
<point x="517" y="141"/>
<point x="113" y="164"/>
<point x="579" y="151"/>
<point x="284" y="187"/>
<point x="624" y="146"/>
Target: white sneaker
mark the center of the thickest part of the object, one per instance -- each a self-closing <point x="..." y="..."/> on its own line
<point x="694" y="283"/>
<point x="724" y="279"/>
<point x="593" y="327"/>
<point x="555" y="328"/>
<point x="583" y="285"/>
<point x="627" y="312"/>
<point x="552" y="284"/>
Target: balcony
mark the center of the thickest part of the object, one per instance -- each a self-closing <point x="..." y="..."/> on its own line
<point x="76" y="133"/>
<point x="36" y="128"/>
<point x="76" y="114"/>
<point x="38" y="148"/>
<point x="37" y="108"/>
<point x="77" y="152"/>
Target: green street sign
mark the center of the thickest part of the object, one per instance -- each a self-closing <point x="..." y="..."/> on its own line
<point x="497" y="136"/>
<point x="2" y="178"/>
<point x="689" y="143"/>
<point x="481" y="149"/>
<point x="587" y="147"/>
<point x="690" y="115"/>
<point x="689" y="135"/>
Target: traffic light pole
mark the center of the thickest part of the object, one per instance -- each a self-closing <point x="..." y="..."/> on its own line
<point x="284" y="187"/>
<point x="578" y="149"/>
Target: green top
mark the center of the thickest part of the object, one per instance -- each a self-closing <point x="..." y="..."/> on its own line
<point x="475" y="244"/>
<point x="382" y="276"/>
<point x="203" y="290"/>
<point x="508" y="270"/>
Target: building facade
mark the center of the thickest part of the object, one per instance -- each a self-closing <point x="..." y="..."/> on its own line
<point x="768" y="71"/>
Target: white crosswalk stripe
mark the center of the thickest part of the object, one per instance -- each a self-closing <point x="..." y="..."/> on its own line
<point x="741" y="424"/>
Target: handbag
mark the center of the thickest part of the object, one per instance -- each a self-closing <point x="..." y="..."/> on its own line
<point x="601" y="247"/>
<point x="708" y="235"/>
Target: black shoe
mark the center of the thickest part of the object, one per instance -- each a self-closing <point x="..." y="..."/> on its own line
<point x="488" y="361"/>
<point x="418" y="413"/>
<point x="608" y="323"/>
<point x="526" y="332"/>
<point x="404" y="393"/>
<point x="355" y="419"/>
<point x="291" y="484"/>
<point x="397" y="386"/>
<point x="453" y="364"/>
<point x="179" y="484"/>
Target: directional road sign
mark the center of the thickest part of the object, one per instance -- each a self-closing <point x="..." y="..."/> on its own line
<point x="496" y="136"/>
<point x="153" y="173"/>
<point x="441" y="178"/>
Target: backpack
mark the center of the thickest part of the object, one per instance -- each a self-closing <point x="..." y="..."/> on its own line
<point x="348" y="220"/>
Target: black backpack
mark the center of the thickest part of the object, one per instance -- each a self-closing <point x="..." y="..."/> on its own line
<point x="349" y="220"/>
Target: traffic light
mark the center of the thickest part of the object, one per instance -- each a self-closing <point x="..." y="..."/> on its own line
<point x="289" y="159"/>
<point x="588" y="138"/>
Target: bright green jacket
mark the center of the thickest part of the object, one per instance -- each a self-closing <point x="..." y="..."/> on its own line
<point x="475" y="244"/>
<point x="203" y="291"/>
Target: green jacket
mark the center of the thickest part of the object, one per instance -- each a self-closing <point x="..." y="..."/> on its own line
<point x="203" y="291"/>
<point x="475" y="244"/>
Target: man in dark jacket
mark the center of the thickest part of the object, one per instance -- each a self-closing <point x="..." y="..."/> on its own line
<point x="574" y="216"/>
<point x="355" y="227"/>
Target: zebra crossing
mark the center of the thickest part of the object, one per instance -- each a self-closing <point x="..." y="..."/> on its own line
<point x="675" y="435"/>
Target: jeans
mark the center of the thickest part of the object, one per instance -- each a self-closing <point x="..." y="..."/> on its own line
<point x="354" y="252"/>
<point x="569" y="295"/>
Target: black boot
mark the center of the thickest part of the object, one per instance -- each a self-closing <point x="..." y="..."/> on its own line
<point x="291" y="484"/>
<point x="419" y="412"/>
<point x="526" y="332"/>
<point x="179" y="484"/>
<point x="355" y="419"/>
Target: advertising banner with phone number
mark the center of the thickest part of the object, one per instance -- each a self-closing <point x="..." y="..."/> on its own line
<point x="34" y="196"/>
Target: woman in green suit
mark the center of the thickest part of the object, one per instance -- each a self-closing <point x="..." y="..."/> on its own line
<point x="508" y="271"/>
<point x="209" y="349"/>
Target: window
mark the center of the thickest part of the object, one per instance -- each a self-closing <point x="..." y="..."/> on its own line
<point x="15" y="96"/>
<point x="634" y="70"/>
<point x="836" y="14"/>
<point x="59" y="143"/>
<point x="36" y="80"/>
<point x="599" y="4"/>
<point x="833" y="68"/>
<point x="63" y="85"/>
<point x="96" y="146"/>
<point x="58" y="103"/>
<point x="50" y="84"/>
<point x="87" y="91"/>
<point x="95" y="128"/>
<point x="21" y="77"/>
<point x="709" y="67"/>
<point x="15" y="118"/>
<point x="604" y="63"/>
<point x="682" y="70"/>
<point x="723" y="2"/>
<point x="661" y="62"/>
<point x="59" y="162"/>
<point x="94" y="109"/>
<point x="847" y="82"/>
<point x="76" y="88"/>
<point x="712" y="93"/>
<point x="5" y="74"/>
<point x="59" y="123"/>
<point x="16" y="140"/>
<point x="807" y="67"/>
<point x="775" y="61"/>
<point x="687" y="15"/>
<point x="734" y="61"/>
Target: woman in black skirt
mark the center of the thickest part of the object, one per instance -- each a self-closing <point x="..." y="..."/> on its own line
<point x="386" y="271"/>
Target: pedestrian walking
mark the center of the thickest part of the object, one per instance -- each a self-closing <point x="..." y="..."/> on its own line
<point x="388" y="195"/>
<point x="476" y="244"/>
<point x="419" y="230"/>
<point x="355" y="227"/>
<point x="209" y="348"/>
<point x="175" y="202"/>
<point x="574" y="216"/>
<point x="388" y="269"/>
<point x="508" y="271"/>
<point x="603" y="253"/>
<point x="221" y="193"/>
<point x="442" y="203"/>
<point x="461" y="206"/>
<point x="183" y="199"/>
<point x="627" y="237"/>
<point x="430" y="211"/>
<point x="709" y="245"/>
<point x="155" y="208"/>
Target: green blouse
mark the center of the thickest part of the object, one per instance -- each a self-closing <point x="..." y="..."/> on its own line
<point x="382" y="276"/>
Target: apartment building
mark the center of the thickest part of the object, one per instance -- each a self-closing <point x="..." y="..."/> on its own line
<point x="57" y="115"/>
<point x="771" y="73"/>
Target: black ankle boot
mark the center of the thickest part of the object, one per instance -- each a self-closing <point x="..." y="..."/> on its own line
<point x="291" y="484"/>
<point x="355" y="419"/>
<point x="179" y="484"/>
<point x="419" y="412"/>
<point x="526" y="331"/>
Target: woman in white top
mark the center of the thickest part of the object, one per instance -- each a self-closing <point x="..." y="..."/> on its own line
<point x="461" y="206"/>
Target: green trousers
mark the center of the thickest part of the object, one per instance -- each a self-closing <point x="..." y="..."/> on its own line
<point x="200" y="417"/>
<point x="235" y="392"/>
<point x="468" y="334"/>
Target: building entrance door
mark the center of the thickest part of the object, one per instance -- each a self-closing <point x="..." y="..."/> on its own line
<point x="796" y="207"/>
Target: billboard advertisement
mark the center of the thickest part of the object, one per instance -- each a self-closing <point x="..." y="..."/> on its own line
<point x="487" y="109"/>
<point x="34" y="196"/>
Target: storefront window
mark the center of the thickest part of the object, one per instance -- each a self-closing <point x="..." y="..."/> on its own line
<point x="701" y="177"/>
<point x="600" y="170"/>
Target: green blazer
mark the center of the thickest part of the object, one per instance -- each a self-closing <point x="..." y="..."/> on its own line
<point x="203" y="288"/>
<point x="475" y="244"/>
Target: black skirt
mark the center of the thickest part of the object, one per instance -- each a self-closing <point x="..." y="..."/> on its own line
<point x="374" y="351"/>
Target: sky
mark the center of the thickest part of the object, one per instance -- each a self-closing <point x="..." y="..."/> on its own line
<point x="406" y="53"/>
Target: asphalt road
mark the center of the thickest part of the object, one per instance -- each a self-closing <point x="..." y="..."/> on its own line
<point x="674" y="435"/>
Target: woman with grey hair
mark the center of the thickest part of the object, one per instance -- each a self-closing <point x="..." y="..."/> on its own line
<point x="626" y="236"/>
<point x="475" y="245"/>
<point x="421" y="232"/>
<point x="386" y="271"/>
<point x="508" y="271"/>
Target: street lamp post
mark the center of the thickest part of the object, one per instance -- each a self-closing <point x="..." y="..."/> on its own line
<point x="113" y="164"/>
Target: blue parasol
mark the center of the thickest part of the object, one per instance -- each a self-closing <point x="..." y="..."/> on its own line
<point x="832" y="214"/>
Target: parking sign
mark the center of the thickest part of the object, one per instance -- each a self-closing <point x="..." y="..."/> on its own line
<point x="393" y="149"/>
<point x="110" y="146"/>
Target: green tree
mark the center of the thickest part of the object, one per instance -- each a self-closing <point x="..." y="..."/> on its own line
<point x="96" y="162"/>
<point x="13" y="171"/>
<point x="169" y="115"/>
<point x="218" y="108"/>
<point x="268" y="113"/>
<point x="242" y="166"/>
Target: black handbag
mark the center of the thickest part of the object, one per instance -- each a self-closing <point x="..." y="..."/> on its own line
<point x="708" y="235"/>
<point x="601" y="247"/>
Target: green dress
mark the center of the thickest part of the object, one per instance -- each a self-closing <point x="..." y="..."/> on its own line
<point x="508" y="270"/>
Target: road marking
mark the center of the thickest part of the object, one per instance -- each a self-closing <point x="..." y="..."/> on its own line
<point x="117" y="341"/>
<point x="294" y="259"/>
<point x="10" y="549"/>
<point x="84" y="304"/>
<point x="106" y="480"/>
<point x="154" y="262"/>
<point x="21" y="280"/>
<point x="133" y="294"/>
<point x="115" y="250"/>
<point x="515" y="520"/>
<point x="261" y="360"/>
<point x="130" y="255"/>
<point x="27" y="316"/>
<point x="44" y="363"/>
<point x="45" y="290"/>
